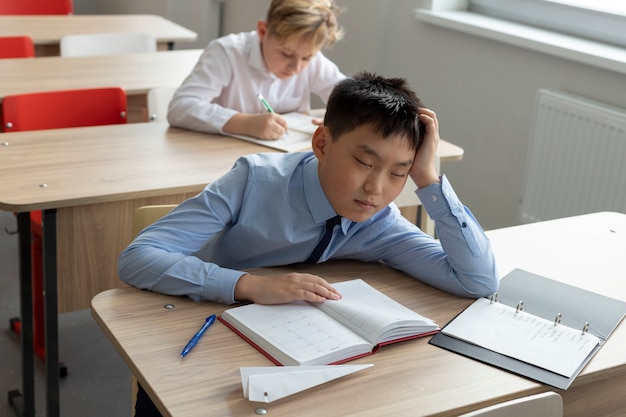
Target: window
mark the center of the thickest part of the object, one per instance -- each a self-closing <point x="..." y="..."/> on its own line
<point x="600" y="20"/>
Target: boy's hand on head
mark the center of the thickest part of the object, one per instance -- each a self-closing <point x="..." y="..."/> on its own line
<point x="284" y="288"/>
<point x="266" y="126"/>
<point x="424" y="171"/>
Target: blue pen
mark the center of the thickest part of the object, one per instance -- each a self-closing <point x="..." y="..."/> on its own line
<point x="196" y="337"/>
<point x="265" y="103"/>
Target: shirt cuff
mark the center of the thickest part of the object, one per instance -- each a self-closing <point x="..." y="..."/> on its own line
<point x="223" y="289"/>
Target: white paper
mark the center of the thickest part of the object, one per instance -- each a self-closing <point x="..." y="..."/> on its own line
<point x="523" y="336"/>
<point x="301" y="130"/>
<point x="267" y="384"/>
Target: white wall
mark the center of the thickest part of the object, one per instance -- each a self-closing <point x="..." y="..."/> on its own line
<point x="201" y="16"/>
<point x="483" y="91"/>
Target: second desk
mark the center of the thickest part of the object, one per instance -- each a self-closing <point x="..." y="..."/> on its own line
<point x="135" y="73"/>
<point x="46" y="31"/>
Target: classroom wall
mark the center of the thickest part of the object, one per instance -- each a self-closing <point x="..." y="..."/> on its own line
<point x="201" y="16"/>
<point x="483" y="91"/>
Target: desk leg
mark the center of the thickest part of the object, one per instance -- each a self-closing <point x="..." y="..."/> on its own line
<point x="26" y="314"/>
<point x="51" y="316"/>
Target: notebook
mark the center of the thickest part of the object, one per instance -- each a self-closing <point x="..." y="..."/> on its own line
<point x="331" y="332"/>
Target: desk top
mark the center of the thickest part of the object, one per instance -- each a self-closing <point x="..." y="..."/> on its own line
<point x="135" y="73"/>
<point x="68" y="167"/>
<point x="48" y="29"/>
<point x="110" y="163"/>
<point x="409" y="378"/>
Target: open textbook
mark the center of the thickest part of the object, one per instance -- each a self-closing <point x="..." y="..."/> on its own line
<point x="534" y="326"/>
<point x="331" y="332"/>
<point x="301" y="130"/>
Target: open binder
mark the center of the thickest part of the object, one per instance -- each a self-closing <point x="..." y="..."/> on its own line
<point x="587" y="318"/>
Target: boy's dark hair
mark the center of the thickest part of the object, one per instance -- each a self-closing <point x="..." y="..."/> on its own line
<point x="388" y="105"/>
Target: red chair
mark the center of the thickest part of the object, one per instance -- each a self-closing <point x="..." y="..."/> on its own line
<point x="25" y="7"/>
<point x="16" y="47"/>
<point x="64" y="108"/>
<point x="51" y="110"/>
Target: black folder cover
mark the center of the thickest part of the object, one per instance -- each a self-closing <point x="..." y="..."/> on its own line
<point x="544" y="298"/>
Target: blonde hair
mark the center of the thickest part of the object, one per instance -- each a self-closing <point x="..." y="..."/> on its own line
<point x="314" y="19"/>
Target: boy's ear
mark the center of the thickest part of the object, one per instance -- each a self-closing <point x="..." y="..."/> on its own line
<point x="261" y="28"/>
<point x="320" y="141"/>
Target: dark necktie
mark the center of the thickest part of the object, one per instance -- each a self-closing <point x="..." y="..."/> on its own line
<point x="323" y="243"/>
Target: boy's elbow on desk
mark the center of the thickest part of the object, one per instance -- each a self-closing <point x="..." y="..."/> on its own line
<point x="482" y="285"/>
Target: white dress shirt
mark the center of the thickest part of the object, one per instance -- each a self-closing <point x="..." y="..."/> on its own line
<point x="229" y="75"/>
<point x="270" y="209"/>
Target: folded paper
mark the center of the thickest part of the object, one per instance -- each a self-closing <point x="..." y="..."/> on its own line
<point x="267" y="384"/>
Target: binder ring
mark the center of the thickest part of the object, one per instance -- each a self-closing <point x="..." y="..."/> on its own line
<point x="557" y="319"/>
<point x="586" y="327"/>
<point x="520" y="307"/>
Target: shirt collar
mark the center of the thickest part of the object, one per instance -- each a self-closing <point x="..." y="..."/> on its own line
<point x="316" y="199"/>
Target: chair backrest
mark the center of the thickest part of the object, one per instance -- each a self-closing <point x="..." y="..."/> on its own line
<point x="16" y="47"/>
<point x="25" y="7"/>
<point x="144" y="216"/>
<point x="547" y="404"/>
<point x="63" y="108"/>
<point x="158" y="101"/>
<point x="92" y="44"/>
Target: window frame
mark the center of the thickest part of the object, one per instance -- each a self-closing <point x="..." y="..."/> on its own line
<point x="577" y="21"/>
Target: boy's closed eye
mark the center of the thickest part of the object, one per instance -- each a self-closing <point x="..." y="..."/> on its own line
<point x="368" y="165"/>
<point x="362" y="162"/>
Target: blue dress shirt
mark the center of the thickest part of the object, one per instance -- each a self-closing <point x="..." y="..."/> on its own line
<point x="270" y="210"/>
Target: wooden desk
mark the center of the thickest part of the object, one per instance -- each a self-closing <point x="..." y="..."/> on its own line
<point x="95" y="177"/>
<point x="46" y="31"/>
<point x="411" y="378"/>
<point x="135" y="73"/>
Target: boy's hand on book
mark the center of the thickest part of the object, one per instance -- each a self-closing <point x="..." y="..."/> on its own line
<point x="266" y="126"/>
<point x="284" y="288"/>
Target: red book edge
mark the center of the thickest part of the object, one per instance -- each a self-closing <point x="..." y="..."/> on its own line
<point x="351" y="358"/>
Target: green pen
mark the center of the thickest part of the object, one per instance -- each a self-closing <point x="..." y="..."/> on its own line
<point x="265" y="103"/>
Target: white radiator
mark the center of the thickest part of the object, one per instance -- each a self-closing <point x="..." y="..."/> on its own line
<point x="577" y="158"/>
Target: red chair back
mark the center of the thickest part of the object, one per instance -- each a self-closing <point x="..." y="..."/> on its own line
<point x="16" y="47"/>
<point x="64" y="108"/>
<point x="25" y="7"/>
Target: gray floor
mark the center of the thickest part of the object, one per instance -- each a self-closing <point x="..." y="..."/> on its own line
<point x="98" y="382"/>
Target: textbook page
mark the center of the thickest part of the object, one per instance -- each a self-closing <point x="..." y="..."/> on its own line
<point x="374" y="315"/>
<point x="301" y="130"/>
<point x="523" y="336"/>
<point x="295" y="333"/>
